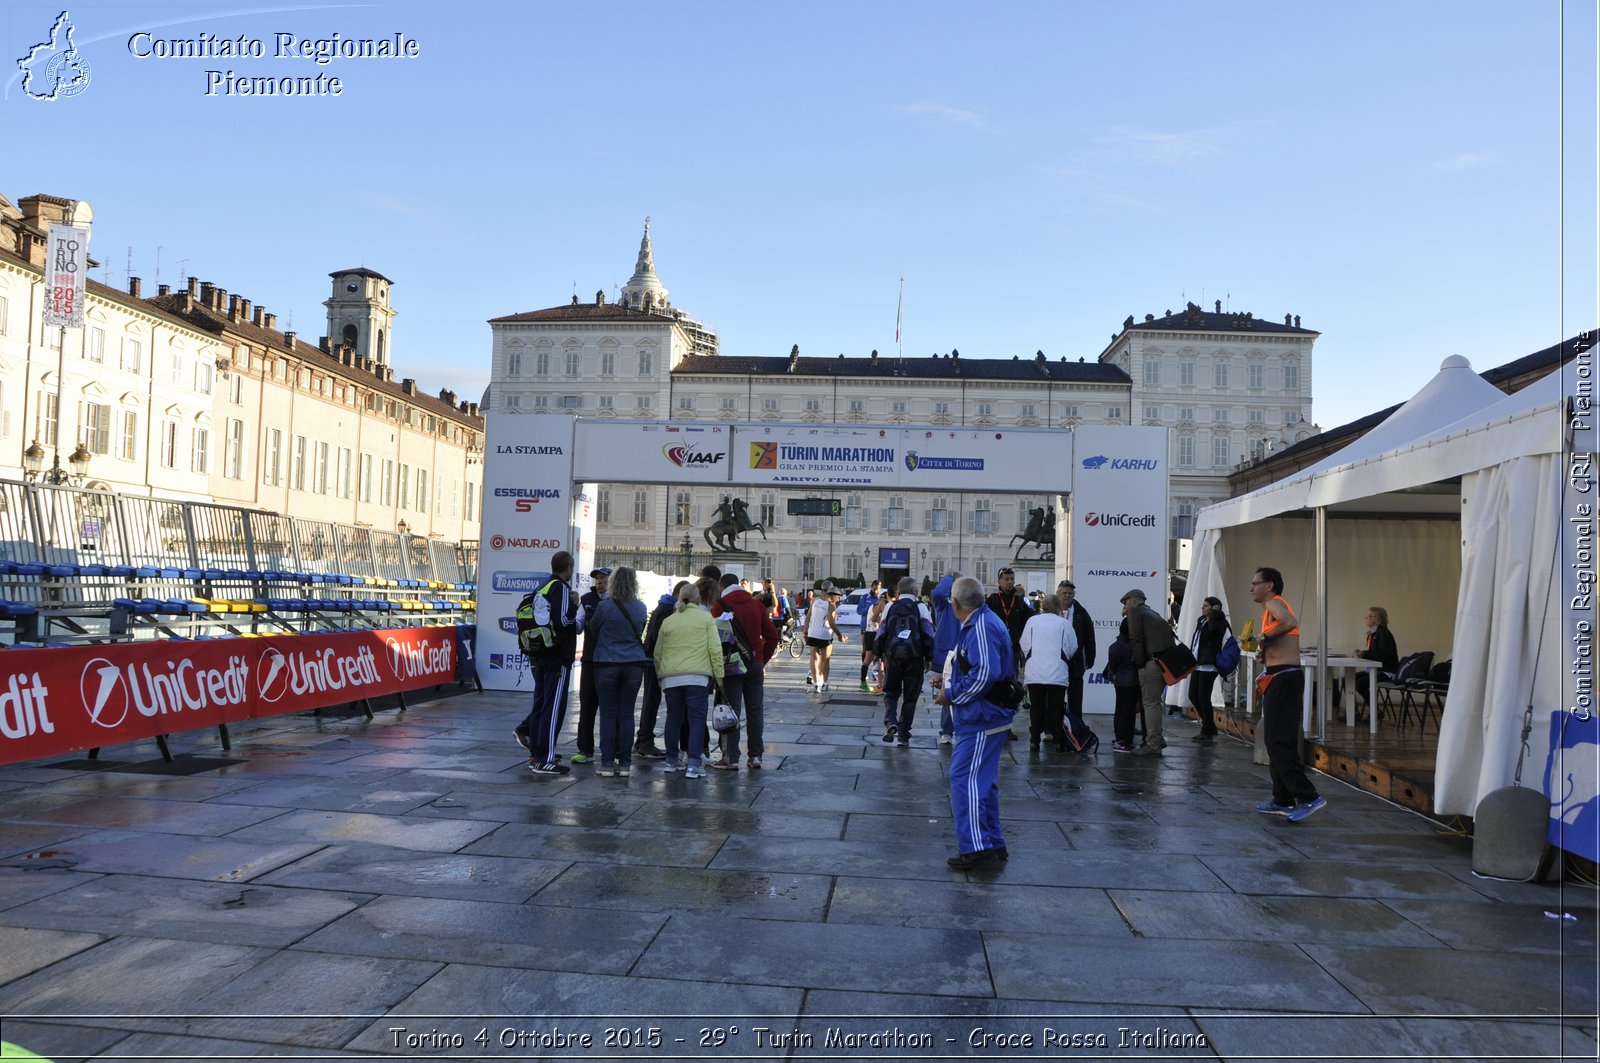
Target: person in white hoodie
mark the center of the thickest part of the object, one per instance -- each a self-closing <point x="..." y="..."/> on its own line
<point x="1048" y="643"/>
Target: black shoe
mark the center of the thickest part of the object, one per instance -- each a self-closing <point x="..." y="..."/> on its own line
<point x="1174" y="712"/>
<point x="1204" y="738"/>
<point x="522" y="739"/>
<point x="549" y="768"/>
<point x="1003" y="853"/>
<point x="981" y="858"/>
<point x="889" y="733"/>
<point x="1011" y="736"/>
<point x="649" y="752"/>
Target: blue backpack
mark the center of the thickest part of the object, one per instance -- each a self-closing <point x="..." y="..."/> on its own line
<point x="1228" y="657"/>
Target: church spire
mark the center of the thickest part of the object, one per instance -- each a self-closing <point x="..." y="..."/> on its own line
<point x="644" y="289"/>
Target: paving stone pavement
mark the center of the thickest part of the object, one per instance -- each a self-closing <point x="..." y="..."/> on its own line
<point x="402" y="888"/>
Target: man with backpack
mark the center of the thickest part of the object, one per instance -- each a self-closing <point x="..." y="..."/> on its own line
<point x="547" y="629"/>
<point x="751" y="633"/>
<point x="904" y="647"/>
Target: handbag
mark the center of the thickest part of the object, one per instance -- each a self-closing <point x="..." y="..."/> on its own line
<point x="1176" y="663"/>
<point x="723" y="718"/>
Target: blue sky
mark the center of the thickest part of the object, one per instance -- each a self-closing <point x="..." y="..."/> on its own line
<point x="1391" y="172"/>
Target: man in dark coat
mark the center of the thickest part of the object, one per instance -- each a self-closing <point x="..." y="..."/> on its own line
<point x="1080" y="662"/>
<point x="1150" y="634"/>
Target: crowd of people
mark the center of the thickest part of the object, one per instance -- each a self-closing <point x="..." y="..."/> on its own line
<point x="984" y="657"/>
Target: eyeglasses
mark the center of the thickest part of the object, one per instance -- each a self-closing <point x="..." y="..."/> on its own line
<point x="1258" y="583"/>
<point x="1007" y="572"/>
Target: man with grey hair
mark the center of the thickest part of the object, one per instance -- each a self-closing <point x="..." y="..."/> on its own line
<point x="1149" y="634"/>
<point x="982" y="657"/>
<point x="904" y="645"/>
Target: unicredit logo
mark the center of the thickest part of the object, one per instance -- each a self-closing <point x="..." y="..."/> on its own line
<point x="24" y="709"/>
<point x="313" y="672"/>
<point x="109" y="690"/>
<point x="409" y="662"/>
<point x="1119" y="520"/>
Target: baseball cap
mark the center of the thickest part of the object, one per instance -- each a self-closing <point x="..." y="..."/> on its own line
<point x="1135" y="593"/>
<point x="600" y="572"/>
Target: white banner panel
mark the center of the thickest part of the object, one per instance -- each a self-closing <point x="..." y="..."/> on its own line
<point x="528" y="515"/>
<point x="1119" y="531"/>
<point x="652" y="452"/>
<point x="66" y="272"/>
<point x="917" y="459"/>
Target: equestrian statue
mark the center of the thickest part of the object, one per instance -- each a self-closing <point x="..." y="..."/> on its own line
<point x="1041" y="531"/>
<point x="733" y="520"/>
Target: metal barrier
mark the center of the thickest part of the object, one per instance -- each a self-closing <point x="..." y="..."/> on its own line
<point x="79" y="565"/>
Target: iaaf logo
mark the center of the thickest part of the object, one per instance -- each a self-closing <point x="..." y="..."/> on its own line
<point x="23" y="710"/>
<point x="409" y="662"/>
<point x="313" y="672"/>
<point x="689" y="455"/>
<point x="109" y="690"/>
<point x="513" y="542"/>
<point x="1135" y="573"/>
<point x="1100" y="461"/>
<point x="1119" y="520"/>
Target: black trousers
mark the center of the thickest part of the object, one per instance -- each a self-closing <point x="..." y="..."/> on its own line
<point x="1047" y="705"/>
<point x="1127" y="713"/>
<point x="649" y="709"/>
<point x="1201" y="685"/>
<point x="588" y="705"/>
<point x="902" y="685"/>
<point x="1280" y="719"/>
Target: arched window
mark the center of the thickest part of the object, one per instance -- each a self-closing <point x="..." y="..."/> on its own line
<point x="350" y="333"/>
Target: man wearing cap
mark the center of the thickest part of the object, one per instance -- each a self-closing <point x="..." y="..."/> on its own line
<point x="1080" y="662"/>
<point x="1013" y="610"/>
<point x="588" y="696"/>
<point x="821" y="629"/>
<point x="1149" y="634"/>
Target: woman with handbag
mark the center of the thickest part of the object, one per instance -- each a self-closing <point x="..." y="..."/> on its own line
<point x="688" y="659"/>
<point x="1048" y="643"/>
<point x="619" y="662"/>
<point x="1209" y="635"/>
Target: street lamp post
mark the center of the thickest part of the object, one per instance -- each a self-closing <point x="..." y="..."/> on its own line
<point x="33" y="469"/>
<point x="687" y="546"/>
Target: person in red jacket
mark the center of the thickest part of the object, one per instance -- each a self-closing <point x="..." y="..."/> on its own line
<point x="746" y="693"/>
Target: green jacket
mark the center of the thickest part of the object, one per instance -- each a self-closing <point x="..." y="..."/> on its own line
<point x="689" y="645"/>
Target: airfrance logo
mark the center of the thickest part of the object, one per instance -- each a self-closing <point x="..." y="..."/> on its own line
<point x="522" y="582"/>
<point x="1100" y="461"/>
<point x="1136" y="573"/>
<point x="690" y="456"/>
<point x="915" y="461"/>
<point x="54" y="69"/>
<point x="1119" y="520"/>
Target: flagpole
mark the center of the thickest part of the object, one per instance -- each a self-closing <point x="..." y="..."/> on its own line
<point x="899" y="307"/>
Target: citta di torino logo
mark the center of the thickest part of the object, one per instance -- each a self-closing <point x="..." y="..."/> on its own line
<point x="109" y="691"/>
<point x="313" y="671"/>
<point x="1119" y="520"/>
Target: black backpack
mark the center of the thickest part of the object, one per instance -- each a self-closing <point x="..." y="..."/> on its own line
<point x="902" y="637"/>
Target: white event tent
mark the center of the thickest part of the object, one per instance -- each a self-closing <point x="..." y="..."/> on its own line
<point x="1449" y="514"/>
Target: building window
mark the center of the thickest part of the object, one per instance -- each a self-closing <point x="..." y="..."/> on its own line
<point x="46" y="417"/>
<point x="542" y="364"/>
<point x="602" y="507"/>
<point x="728" y="404"/>
<point x="1220" y="415"/>
<point x="645" y="403"/>
<point x="272" y="463"/>
<point x="768" y="509"/>
<point x="606" y="402"/>
<point x="938" y="518"/>
<point x="514" y="363"/>
<point x="1183" y="521"/>
<point x="1220" y="449"/>
<point x="1291" y="378"/>
<point x="646" y="363"/>
<point x="1291" y="416"/>
<point x="1152" y="413"/>
<point x="471" y="510"/>
<point x="813" y="405"/>
<point x="985" y="409"/>
<point x="346" y="461"/>
<point x="853" y="514"/>
<point x="980" y="570"/>
<point x="608" y="363"/>
<point x="574" y="361"/>
<point x="169" y="444"/>
<point x="1071" y="413"/>
<point x="769" y="405"/>
<point x="129" y="448"/>
<point x="641" y="507"/>
<point x="5" y="314"/>
<point x="324" y="471"/>
<point x="898" y="407"/>
<point x="132" y="354"/>
<point x="297" y="471"/>
<point x="200" y="460"/>
<point x="895" y="516"/>
<point x="1258" y="417"/>
<point x="941" y="409"/>
<point x="94" y="345"/>
<point x="681" y="508"/>
<point x="1114" y="413"/>
<point x="1258" y="376"/>
<point x="96" y="422"/>
<point x="1186" y="450"/>
<point x="1152" y="374"/>
<point x="571" y="402"/>
<point x="233" y="450"/>
<point x="422" y="490"/>
<point x="982" y="519"/>
<point x="1028" y="411"/>
<point x="540" y="402"/>
<point x="203" y="373"/>
<point x="1221" y="375"/>
<point x="1186" y="374"/>
<point x="236" y="388"/>
<point x="685" y="403"/>
<point x="403" y="485"/>
<point x="388" y="483"/>
<point x="366" y="477"/>
<point x="513" y="403"/>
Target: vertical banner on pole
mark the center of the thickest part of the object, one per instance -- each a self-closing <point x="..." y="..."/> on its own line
<point x="527" y="518"/>
<point x="1119" y="532"/>
<point x="66" y="272"/>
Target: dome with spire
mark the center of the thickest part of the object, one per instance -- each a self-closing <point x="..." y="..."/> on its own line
<point x="644" y="289"/>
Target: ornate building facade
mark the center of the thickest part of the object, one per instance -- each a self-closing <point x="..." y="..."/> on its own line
<point x="195" y="394"/>
<point x="1222" y="383"/>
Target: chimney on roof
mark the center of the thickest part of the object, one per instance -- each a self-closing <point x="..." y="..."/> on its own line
<point x="1288" y="319"/>
<point x="472" y="408"/>
<point x="258" y="315"/>
<point x="1218" y="305"/>
<point x="133" y="287"/>
<point x="874" y="356"/>
<point x="574" y="298"/>
<point x="244" y="309"/>
<point x="447" y="396"/>
<point x="233" y="308"/>
<point x="599" y="298"/>
<point x="288" y="340"/>
<point x="206" y="292"/>
<point x="323" y="345"/>
<point x="1297" y="321"/>
<point x="271" y="321"/>
<point x="194" y="287"/>
<point x="218" y="297"/>
<point x="409" y="386"/>
<point x="163" y="289"/>
<point x="955" y="354"/>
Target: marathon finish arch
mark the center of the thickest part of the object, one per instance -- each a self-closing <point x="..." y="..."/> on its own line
<point x="64" y="699"/>
<point x="538" y="467"/>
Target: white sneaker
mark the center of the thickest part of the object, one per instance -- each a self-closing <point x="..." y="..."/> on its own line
<point x="671" y="764"/>
<point x="945" y="739"/>
<point x="695" y="772"/>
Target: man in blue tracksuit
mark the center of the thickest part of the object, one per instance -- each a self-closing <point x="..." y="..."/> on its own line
<point x="945" y="629"/>
<point x="982" y="657"/>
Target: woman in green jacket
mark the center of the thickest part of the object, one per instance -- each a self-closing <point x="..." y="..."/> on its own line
<point x="688" y="657"/>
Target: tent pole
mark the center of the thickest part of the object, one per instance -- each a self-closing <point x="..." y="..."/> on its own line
<point x="1322" y="622"/>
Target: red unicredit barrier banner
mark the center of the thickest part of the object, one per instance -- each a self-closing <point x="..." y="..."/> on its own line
<point x="72" y="698"/>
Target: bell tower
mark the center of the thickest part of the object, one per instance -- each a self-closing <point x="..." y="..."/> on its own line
<point x="359" y="314"/>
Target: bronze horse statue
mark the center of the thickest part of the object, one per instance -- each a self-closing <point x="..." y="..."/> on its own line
<point x="733" y="520"/>
<point x="1041" y="531"/>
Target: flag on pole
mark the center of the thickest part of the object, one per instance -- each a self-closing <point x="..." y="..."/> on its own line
<point x="899" y="306"/>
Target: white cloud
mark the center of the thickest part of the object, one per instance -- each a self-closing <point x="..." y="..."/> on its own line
<point x="944" y="113"/>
